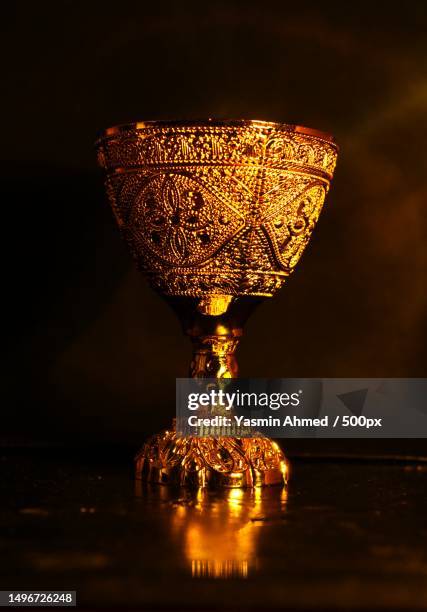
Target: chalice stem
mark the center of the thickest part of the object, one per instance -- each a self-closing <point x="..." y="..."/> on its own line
<point x="214" y="357"/>
<point x="209" y="461"/>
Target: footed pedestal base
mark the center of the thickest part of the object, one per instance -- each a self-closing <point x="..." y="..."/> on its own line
<point x="211" y="462"/>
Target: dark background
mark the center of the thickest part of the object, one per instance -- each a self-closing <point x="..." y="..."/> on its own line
<point x="91" y="354"/>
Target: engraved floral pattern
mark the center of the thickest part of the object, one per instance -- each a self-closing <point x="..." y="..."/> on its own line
<point x="211" y="209"/>
<point x="180" y="221"/>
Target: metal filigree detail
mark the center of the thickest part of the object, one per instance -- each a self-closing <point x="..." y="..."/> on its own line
<point x="180" y="222"/>
<point x="203" y="462"/>
<point x="289" y="228"/>
<point x="216" y="209"/>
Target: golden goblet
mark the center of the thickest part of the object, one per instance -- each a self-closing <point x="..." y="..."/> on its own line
<point x="217" y="215"/>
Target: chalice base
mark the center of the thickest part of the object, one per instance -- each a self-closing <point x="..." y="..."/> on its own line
<point x="211" y="462"/>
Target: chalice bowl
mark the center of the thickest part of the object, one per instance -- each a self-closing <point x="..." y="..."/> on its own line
<point x="217" y="215"/>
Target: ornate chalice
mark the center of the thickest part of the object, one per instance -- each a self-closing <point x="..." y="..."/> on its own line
<point x="217" y="215"/>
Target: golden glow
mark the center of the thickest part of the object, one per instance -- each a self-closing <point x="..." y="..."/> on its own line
<point x="219" y="569"/>
<point x="210" y="261"/>
<point x="212" y="462"/>
<point x="214" y="304"/>
<point x="219" y="532"/>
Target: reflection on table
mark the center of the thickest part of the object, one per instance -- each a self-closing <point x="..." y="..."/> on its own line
<point x="217" y="532"/>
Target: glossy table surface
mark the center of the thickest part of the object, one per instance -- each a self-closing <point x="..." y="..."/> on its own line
<point x="344" y="535"/>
